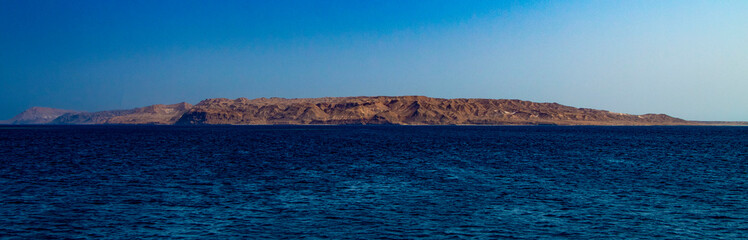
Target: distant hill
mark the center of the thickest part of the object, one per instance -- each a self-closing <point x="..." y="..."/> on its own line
<point x="407" y="110"/>
<point x="399" y="110"/>
<point x="37" y="115"/>
<point x="155" y="114"/>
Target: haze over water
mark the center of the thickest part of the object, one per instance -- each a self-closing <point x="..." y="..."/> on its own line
<point x="350" y="182"/>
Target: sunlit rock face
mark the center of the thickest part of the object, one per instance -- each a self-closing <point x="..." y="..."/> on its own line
<point x="406" y="110"/>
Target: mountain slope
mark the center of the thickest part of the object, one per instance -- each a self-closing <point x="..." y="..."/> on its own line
<point x="406" y="110"/>
<point x="155" y="114"/>
<point x="37" y="115"/>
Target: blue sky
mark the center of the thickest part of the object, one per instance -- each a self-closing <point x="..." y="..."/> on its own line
<point x="688" y="59"/>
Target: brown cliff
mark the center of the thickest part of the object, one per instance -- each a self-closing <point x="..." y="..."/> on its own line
<point x="406" y="110"/>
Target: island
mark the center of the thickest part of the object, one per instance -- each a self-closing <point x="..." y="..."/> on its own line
<point x="393" y="110"/>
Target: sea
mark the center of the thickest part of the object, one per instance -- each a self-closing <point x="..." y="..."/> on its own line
<point x="373" y="182"/>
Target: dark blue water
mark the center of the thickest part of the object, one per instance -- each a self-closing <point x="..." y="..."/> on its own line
<point x="385" y="182"/>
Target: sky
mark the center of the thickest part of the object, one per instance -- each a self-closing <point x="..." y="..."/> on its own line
<point x="687" y="59"/>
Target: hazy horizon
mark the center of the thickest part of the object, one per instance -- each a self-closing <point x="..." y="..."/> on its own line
<point x="687" y="59"/>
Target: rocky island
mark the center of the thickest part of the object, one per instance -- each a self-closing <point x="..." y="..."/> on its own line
<point x="37" y="115"/>
<point x="155" y="114"/>
<point x="405" y="110"/>
<point x="398" y="110"/>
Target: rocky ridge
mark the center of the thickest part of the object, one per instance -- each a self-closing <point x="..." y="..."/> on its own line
<point x="406" y="110"/>
<point x="398" y="110"/>
<point x="155" y="114"/>
<point x="37" y="115"/>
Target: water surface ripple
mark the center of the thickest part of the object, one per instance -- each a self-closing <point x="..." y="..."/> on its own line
<point x="373" y="182"/>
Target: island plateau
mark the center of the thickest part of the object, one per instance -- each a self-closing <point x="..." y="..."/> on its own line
<point x="396" y="110"/>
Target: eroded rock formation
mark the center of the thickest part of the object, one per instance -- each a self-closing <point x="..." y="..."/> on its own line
<point x="406" y="110"/>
